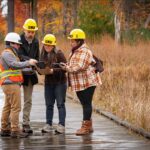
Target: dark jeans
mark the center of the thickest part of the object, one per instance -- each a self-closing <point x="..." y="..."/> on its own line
<point x="85" y="97"/>
<point x="55" y="92"/>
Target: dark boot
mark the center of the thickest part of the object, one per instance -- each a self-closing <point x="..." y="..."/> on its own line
<point x="19" y="134"/>
<point x="27" y="129"/>
<point x="5" y="133"/>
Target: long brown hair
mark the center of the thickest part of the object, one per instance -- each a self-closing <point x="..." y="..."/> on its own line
<point x="50" y="57"/>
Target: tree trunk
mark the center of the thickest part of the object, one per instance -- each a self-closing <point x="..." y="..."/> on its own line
<point x="127" y="8"/>
<point x="34" y="10"/>
<point x="75" y="11"/>
<point x="43" y="24"/>
<point x="117" y="29"/>
<point x="67" y="16"/>
<point x="147" y="22"/>
<point x="10" y="16"/>
<point x="65" y="2"/>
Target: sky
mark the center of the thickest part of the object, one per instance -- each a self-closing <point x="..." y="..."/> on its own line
<point x="4" y="5"/>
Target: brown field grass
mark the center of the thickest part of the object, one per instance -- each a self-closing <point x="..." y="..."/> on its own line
<point x="126" y="80"/>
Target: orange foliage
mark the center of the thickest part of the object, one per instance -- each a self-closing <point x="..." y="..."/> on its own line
<point x="21" y="14"/>
<point x="104" y="2"/>
<point x="2" y="23"/>
<point x="50" y="15"/>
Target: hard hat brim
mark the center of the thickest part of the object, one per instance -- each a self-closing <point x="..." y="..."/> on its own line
<point x="13" y="42"/>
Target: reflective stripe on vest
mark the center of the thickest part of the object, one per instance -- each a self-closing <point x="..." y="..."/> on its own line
<point x="10" y="73"/>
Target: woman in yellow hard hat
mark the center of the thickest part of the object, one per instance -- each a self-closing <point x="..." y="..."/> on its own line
<point x="82" y="76"/>
<point x="55" y="83"/>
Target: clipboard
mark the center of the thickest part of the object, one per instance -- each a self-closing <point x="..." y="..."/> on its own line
<point x="44" y="71"/>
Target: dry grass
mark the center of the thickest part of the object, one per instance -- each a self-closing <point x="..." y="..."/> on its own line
<point x="126" y="80"/>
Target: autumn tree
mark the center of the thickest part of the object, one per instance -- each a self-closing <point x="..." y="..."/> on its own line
<point x="32" y="5"/>
<point x="50" y="16"/>
<point x="132" y="19"/>
<point x="2" y="24"/>
<point x="96" y="17"/>
<point x="23" y="10"/>
<point x="70" y="13"/>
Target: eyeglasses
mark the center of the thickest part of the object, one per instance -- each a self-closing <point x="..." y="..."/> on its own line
<point x="16" y="44"/>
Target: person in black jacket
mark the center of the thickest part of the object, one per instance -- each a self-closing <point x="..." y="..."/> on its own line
<point x="55" y="83"/>
<point x="29" y="49"/>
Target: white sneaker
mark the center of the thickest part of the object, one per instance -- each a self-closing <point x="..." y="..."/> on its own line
<point x="47" y="128"/>
<point x="60" y="129"/>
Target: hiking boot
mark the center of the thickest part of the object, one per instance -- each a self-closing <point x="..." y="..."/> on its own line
<point x="60" y="129"/>
<point x="47" y="128"/>
<point x="27" y="129"/>
<point x="86" y="128"/>
<point x="19" y="134"/>
<point x="5" y="133"/>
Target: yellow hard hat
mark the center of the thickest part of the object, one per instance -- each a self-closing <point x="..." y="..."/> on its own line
<point x="76" y="34"/>
<point x="30" y="25"/>
<point x="49" y="39"/>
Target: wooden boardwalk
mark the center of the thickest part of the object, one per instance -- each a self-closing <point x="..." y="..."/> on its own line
<point x="107" y="134"/>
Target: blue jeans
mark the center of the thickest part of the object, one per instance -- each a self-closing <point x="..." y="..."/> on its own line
<point x="55" y="92"/>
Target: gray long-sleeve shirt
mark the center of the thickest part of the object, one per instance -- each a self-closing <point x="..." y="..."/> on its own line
<point x="11" y="61"/>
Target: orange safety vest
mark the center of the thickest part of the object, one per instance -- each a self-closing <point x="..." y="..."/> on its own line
<point x="11" y="74"/>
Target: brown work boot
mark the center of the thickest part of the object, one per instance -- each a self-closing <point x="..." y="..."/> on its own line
<point x="27" y="128"/>
<point x="19" y="134"/>
<point x="90" y="126"/>
<point x="86" y="128"/>
<point x="5" y="133"/>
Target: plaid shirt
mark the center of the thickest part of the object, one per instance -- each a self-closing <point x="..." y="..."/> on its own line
<point x="81" y="73"/>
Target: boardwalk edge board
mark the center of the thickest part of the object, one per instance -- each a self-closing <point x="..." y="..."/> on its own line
<point x="116" y="119"/>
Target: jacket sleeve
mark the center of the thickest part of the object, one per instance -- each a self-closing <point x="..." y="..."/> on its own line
<point x="60" y="58"/>
<point x="38" y="51"/>
<point x="12" y="62"/>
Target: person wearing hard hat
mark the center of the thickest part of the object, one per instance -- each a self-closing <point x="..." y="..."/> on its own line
<point x="55" y="83"/>
<point x="82" y="76"/>
<point x="28" y="49"/>
<point x="10" y="80"/>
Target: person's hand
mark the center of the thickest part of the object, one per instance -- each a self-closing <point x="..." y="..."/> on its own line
<point x="32" y="62"/>
<point x="63" y="66"/>
<point x="51" y="71"/>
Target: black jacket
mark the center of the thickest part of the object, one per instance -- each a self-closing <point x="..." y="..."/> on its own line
<point x="26" y="52"/>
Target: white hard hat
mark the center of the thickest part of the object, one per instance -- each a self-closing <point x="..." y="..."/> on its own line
<point x="13" y="37"/>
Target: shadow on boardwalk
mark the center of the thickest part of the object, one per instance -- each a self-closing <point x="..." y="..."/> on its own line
<point x="107" y="135"/>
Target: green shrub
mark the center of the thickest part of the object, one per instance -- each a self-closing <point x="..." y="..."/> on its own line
<point x="96" y="19"/>
<point x="134" y="35"/>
